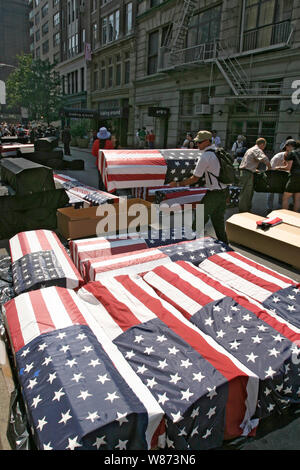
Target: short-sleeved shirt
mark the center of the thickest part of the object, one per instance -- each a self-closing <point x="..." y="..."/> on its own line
<point x="208" y="165"/>
<point x="252" y="158"/>
<point x="277" y="160"/>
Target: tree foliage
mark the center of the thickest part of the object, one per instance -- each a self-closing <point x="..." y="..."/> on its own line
<point x="35" y="85"/>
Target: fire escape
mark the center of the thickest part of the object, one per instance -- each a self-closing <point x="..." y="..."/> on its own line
<point x="174" y="53"/>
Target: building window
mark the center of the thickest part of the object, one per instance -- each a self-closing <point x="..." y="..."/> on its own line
<point x="110" y="72"/>
<point x="45" y="10"/>
<point x="103" y="74"/>
<point x="95" y="77"/>
<point x="55" y="2"/>
<point x="127" y="68"/>
<point x="118" y="69"/>
<point x="56" y="39"/>
<point x="37" y="19"/>
<point x="111" y="27"/>
<point x="128" y="18"/>
<point x="38" y="53"/>
<point x="267" y="22"/>
<point x="45" y="47"/>
<point x="56" y="19"/>
<point x="154" y="3"/>
<point x="204" y="27"/>
<point x="94" y="5"/>
<point x="56" y="57"/>
<point x="94" y="34"/>
<point x="45" y="28"/>
<point x="37" y="35"/>
<point x="153" y="44"/>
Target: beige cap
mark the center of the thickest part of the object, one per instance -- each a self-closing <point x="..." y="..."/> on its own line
<point x="203" y="135"/>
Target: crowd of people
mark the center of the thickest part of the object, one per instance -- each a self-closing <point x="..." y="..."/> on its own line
<point x="31" y="132"/>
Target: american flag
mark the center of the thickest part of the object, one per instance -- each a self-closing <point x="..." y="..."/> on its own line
<point x="251" y="278"/>
<point x="85" y="249"/>
<point x="180" y="195"/>
<point x="145" y="168"/>
<point x="146" y="259"/>
<point x="257" y="338"/>
<point x="39" y="259"/>
<point x="207" y="395"/>
<point x="92" y="196"/>
<point x="79" y="391"/>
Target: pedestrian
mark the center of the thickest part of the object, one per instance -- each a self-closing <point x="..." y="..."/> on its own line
<point x="216" y="141"/>
<point x="142" y="137"/>
<point x="66" y="139"/>
<point x="292" y="164"/>
<point x="32" y="135"/>
<point x="103" y="141"/>
<point x="249" y="164"/>
<point x="282" y="145"/>
<point x="188" y="141"/>
<point x="239" y="148"/>
<point x="276" y="163"/>
<point x="214" y="201"/>
<point x="151" y="139"/>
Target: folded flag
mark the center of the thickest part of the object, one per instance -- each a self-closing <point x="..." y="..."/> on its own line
<point x="79" y="391"/>
<point x="180" y="195"/>
<point x="136" y="262"/>
<point x="40" y="260"/>
<point x="93" y="196"/>
<point x="257" y="338"/>
<point x="206" y="394"/>
<point x="122" y="169"/>
<point x="265" y="224"/>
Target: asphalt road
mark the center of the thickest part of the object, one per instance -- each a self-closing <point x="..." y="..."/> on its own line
<point x="282" y="433"/>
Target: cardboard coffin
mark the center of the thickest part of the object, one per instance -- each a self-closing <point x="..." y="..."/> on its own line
<point x="281" y="242"/>
<point x="102" y="220"/>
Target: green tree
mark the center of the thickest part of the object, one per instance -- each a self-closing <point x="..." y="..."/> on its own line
<point x="35" y="85"/>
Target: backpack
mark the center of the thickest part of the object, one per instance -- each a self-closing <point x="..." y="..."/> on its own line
<point x="227" y="171"/>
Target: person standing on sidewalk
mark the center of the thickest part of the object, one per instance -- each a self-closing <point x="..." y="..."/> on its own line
<point x="66" y="139"/>
<point x="214" y="201"/>
<point x="249" y="164"/>
<point x="103" y="141"/>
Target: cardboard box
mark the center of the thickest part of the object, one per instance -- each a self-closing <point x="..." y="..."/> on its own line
<point x="288" y="217"/>
<point x="281" y="242"/>
<point x="102" y="220"/>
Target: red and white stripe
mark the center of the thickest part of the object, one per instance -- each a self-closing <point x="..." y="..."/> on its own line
<point x="134" y="262"/>
<point x="131" y="168"/>
<point x="126" y="301"/>
<point x="31" y="314"/>
<point x="182" y="195"/>
<point x="84" y="250"/>
<point x="245" y="275"/>
<point x="33" y="241"/>
<point x="188" y="289"/>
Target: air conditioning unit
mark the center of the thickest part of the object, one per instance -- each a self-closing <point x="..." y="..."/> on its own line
<point x="202" y="109"/>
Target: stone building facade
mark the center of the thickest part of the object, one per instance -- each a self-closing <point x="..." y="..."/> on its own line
<point x="227" y="65"/>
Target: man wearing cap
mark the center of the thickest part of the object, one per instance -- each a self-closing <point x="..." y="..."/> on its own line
<point x="249" y="164"/>
<point x="215" y="199"/>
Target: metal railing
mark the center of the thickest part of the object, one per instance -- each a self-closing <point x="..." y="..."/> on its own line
<point x="279" y="33"/>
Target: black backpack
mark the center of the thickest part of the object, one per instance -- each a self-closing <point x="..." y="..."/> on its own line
<point x="227" y="171"/>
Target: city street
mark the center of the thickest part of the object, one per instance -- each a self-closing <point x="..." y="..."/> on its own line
<point x="287" y="427"/>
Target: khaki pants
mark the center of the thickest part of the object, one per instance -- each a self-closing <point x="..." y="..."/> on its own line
<point x="247" y="190"/>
